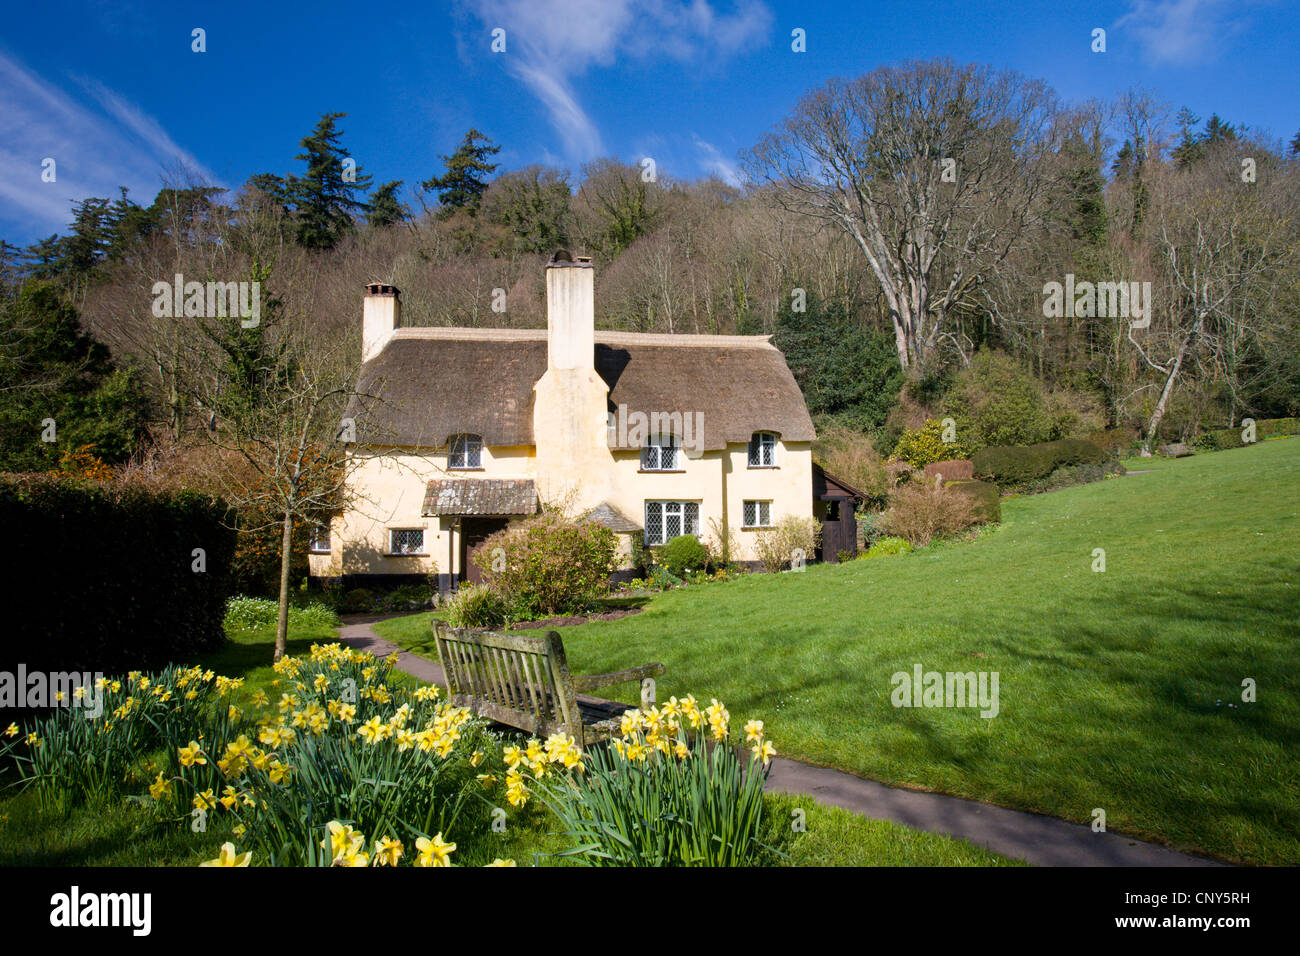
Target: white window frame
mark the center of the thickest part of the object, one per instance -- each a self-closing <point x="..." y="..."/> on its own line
<point x="687" y="513"/>
<point x="764" y="444"/>
<point x="469" y="448"/>
<point x="762" y="513"/>
<point x="314" y="546"/>
<point x="660" y="454"/>
<point x="392" y="543"/>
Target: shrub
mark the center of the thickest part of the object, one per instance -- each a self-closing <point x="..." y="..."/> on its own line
<point x="1001" y="400"/>
<point x="1074" y="414"/>
<point x="358" y="601"/>
<point x="956" y="469"/>
<point x="684" y="553"/>
<point x="1274" y="427"/>
<point x="1015" y="465"/>
<point x="921" y="446"/>
<point x="1114" y="441"/>
<point x="984" y="497"/>
<point x="134" y="595"/>
<point x="1220" y="438"/>
<point x="1068" y="476"/>
<point x="480" y="606"/>
<point x="249" y="613"/>
<point x="665" y="793"/>
<point x="924" y="511"/>
<point x="887" y="547"/>
<point x="868" y="529"/>
<point x="553" y="564"/>
<point x="788" y="542"/>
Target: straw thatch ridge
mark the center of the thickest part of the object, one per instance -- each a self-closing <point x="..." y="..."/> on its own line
<point x="432" y="384"/>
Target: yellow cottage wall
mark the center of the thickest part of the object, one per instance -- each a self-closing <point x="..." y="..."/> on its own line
<point x="389" y="486"/>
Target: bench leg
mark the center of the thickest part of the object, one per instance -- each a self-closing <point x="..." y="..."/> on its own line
<point x="647" y="693"/>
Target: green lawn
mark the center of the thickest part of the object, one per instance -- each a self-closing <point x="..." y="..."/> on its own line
<point x="1114" y="687"/>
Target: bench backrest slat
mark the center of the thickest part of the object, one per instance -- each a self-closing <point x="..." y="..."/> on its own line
<point x="524" y="681"/>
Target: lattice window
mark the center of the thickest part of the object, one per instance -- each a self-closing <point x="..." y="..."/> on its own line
<point x="406" y="541"/>
<point x="762" y="450"/>
<point x="466" y="452"/>
<point x="320" y="539"/>
<point x="665" y="520"/>
<point x="758" y="514"/>
<point x="659" y="454"/>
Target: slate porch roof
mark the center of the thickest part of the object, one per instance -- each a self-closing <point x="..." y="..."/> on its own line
<point x="613" y="519"/>
<point x="480" y="496"/>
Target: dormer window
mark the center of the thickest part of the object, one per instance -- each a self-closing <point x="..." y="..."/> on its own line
<point x="466" y="452"/>
<point x="660" y="454"/>
<point x="762" y="450"/>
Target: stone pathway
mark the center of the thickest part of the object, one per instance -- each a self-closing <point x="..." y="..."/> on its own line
<point x="1033" y="837"/>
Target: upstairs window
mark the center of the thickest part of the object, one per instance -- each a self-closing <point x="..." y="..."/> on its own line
<point x="466" y="452"/>
<point x="665" y="520"/>
<point x="660" y="454"/>
<point x="762" y="450"/>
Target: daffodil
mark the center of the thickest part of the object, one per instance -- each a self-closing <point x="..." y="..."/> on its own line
<point x="387" y="852"/>
<point x="500" y="862"/>
<point x="228" y="857"/>
<point x="435" y="852"/>
<point x="191" y="755"/>
<point x="341" y="838"/>
<point x="161" y="787"/>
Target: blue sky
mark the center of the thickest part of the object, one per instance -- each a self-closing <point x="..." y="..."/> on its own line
<point x="113" y="92"/>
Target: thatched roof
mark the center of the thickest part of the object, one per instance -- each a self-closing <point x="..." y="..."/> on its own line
<point x="433" y="383"/>
<point x="480" y="496"/>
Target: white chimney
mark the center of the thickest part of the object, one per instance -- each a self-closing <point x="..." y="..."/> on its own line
<point x="380" y="313"/>
<point x="570" y="312"/>
<point x="570" y="410"/>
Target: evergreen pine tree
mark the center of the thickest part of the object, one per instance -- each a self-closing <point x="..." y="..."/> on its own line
<point x="463" y="184"/>
<point x="324" y="199"/>
<point x="385" y="208"/>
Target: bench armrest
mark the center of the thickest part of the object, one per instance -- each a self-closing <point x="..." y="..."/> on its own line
<point x="594" y="681"/>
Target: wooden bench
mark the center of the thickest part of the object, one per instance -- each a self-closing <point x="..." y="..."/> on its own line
<point x="525" y="682"/>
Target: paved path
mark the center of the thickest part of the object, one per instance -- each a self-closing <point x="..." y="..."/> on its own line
<point x="1033" y="837"/>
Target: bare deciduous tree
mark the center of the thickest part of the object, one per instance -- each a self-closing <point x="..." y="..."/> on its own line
<point x="934" y="170"/>
<point x="1222" y="240"/>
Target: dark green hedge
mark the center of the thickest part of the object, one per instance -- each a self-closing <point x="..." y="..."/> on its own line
<point x="100" y="577"/>
<point x="1016" y="464"/>
<point x="1218" y="439"/>
<point x="1273" y="427"/>
<point x="988" y="501"/>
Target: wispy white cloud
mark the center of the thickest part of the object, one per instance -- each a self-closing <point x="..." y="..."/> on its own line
<point x="1182" y="32"/>
<point x="98" y="142"/>
<point x="717" y="164"/>
<point x="551" y="44"/>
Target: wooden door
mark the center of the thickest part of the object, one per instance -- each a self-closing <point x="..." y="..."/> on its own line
<point x="473" y="532"/>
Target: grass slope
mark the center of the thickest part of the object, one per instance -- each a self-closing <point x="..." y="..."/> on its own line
<point x="1114" y="687"/>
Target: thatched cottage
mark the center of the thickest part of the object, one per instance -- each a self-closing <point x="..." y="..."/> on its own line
<point x="652" y="435"/>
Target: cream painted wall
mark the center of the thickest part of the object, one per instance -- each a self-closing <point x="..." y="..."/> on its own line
<point x="389" y="486"/>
